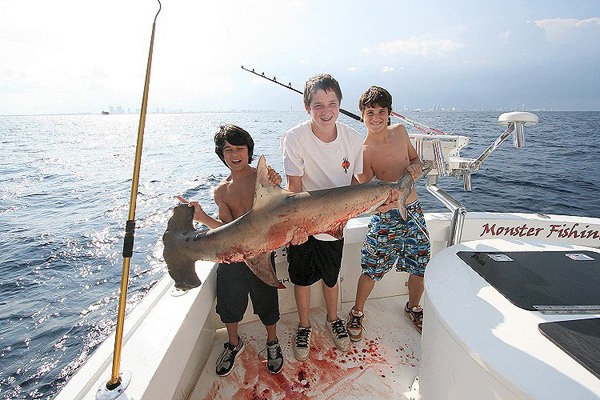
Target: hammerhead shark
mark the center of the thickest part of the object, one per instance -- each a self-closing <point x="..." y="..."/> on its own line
<point x="270" y="224"/>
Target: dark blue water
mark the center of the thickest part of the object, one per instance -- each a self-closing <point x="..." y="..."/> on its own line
<point x="64" y="198"/>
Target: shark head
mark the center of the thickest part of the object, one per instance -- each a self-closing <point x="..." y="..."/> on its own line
<point x="181" y="267"/>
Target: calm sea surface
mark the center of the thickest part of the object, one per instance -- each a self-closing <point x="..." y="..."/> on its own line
<point x="64" y="197"/>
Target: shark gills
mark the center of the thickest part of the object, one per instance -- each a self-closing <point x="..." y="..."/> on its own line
<point x="269" y="225"/>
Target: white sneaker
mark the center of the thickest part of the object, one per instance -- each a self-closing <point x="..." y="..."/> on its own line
<point x="302" y="344"/>
<point x="339" y="333"/>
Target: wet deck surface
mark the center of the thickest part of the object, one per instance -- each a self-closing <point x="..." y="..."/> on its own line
<point x="382" y="365"/>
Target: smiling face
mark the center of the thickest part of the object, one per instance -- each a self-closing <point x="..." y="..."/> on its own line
<point x="324" y="109"/>
<point x="376" y="118"/>
<point x="234" y="137"/>
<point x="235" y="156"/>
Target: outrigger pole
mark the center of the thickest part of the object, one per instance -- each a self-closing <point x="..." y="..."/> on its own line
<point x="422" y="127"/>
<point x="289" y="86"/>
<point x="119" y="382"/>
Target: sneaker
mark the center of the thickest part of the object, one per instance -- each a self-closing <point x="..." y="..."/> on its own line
<point x="354" y="325"/>
<point x="415" y="314"/>
<point x="274" y="357"/>
<point x="339" y="333"/>
<point x="227" y="359"/>
<point x="302" y="344"/>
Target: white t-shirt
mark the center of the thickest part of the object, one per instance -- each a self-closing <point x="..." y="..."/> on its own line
<point x="322" y="165"/>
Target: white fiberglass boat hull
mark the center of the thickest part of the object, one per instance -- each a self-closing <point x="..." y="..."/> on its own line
<point x="169" y="341"/>
<point x="478" y="345"/>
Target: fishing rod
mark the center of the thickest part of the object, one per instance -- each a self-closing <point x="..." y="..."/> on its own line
<point x="422" y="127"/>
<point x="289" y="86"/>
<point x="119" y="382"/>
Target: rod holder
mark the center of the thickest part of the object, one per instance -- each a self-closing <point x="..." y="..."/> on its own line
<point x="113" y="392"/>
<point x="419" y="148"/>
<point x="438" y="158"/>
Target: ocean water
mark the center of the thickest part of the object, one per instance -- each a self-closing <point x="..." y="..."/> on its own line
<point x="64" y="197"/>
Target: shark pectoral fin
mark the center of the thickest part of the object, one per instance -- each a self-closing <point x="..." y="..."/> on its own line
<point x="264" y="191"/>
<point x="263" y="267"/>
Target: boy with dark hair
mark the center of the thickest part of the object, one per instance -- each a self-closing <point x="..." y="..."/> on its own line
<point x="320" y="153"/>
<point x="388" y="155"/>
<point x="234" y="196"/>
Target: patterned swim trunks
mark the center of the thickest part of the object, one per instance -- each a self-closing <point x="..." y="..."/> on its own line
<point x="392" y="241"/>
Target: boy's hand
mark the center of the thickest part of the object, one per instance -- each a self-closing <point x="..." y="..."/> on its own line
<point x="391" y="202"/>
<point x="414" y="170"/>
<point x="199" y="213"/>
<point x="300" y="236"/>
<point x="273" y="176"/>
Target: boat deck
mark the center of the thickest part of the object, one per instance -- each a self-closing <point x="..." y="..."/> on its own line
<point x="383" y="364"/>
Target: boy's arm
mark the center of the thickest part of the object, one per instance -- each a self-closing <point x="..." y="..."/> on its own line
<point x="225" y="214"/>
<point x="201" y="216"/>
<point x="368" y="172"/>
<point x="294" y="183"/>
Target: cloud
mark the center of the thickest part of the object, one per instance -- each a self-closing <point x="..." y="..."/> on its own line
<point x="420" y="46"/>
<point x="571" y="30"/>
<point x="352" y="69"/>
<point x="387" y="69"/>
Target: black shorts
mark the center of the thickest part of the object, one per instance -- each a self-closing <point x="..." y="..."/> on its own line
<point x="314" y="260"/>
<point x="234" y="283"/>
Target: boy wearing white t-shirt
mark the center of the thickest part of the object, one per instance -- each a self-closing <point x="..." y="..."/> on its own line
<point x="319" y="154"/>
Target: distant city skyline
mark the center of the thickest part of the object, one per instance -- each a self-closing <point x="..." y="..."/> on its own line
<point x="76" y="57"/>
<point x="435" y="108"/>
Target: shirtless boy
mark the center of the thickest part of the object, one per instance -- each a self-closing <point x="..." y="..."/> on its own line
<point x="388" y="155"/>
<point x="234" y="196"/>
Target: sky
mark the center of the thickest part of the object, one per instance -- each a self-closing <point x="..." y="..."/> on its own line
<point x="77" y="56"/>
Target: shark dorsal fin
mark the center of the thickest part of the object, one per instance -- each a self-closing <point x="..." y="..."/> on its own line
<point x="264" y="191"/>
